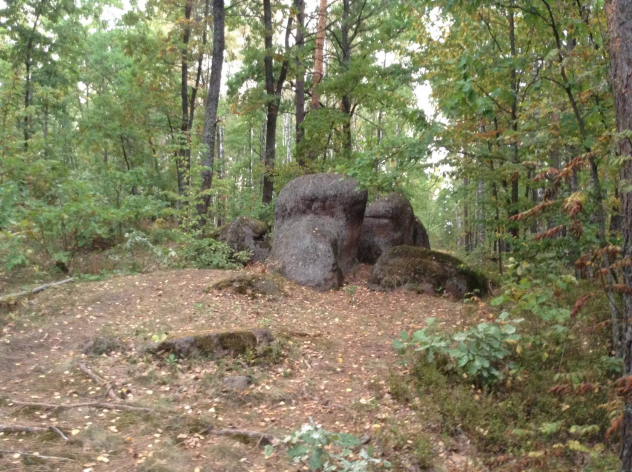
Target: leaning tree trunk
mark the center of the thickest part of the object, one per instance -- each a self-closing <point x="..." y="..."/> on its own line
<point x="210" y="114"/>
<point x="619" y="15"/>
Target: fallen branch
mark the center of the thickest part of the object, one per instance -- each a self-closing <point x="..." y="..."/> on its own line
<point x="32" y="429"/>
<point x="110" y="391"/>
<point x="244" y="434"/>
<point x="39" y="289"/>
<point x="67" y="406"/>
<point x="31" y="454"/>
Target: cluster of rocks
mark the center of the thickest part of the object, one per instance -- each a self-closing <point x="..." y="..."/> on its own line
<point x="246" y="234"/>
<point x="323" y="228"/>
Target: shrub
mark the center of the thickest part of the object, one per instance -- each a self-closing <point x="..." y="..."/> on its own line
<point x="326" y="451"/>
<point x="480" y="352"/>
<point x="212" y="254"/>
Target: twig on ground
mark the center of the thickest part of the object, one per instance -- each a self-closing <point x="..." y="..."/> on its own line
<point x="39" y="289"/>
<point x="31" y="454"/>
<point x="67" y="406"/>
<point x="262" y="438"/>
<point x="110" y="392"/>
<point x="7" y="428"/>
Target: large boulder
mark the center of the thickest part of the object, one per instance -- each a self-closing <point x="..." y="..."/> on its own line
<point x="424" y="270"/>
<point x="420" y="235"/>
<point x="317" y="225"/>
<point x="308" y="252"/>
<point x="388" y="222"/>
<point x="246" y="234"/>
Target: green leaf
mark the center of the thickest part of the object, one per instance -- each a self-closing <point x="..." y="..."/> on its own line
<point x="498" y="300"/>
<point x="316" y="461"/>
<point x="298" y="451"/>
<point x="347" y="440"/>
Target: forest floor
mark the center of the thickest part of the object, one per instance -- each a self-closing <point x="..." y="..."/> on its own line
<point x="334" y="363"/>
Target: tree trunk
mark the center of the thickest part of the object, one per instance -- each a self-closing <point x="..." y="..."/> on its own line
<point x="466" y="215"/>
<point x="221" y="174"/>
<point x="273" y="109"/>
<point x="300" y="77"/>
<point x="184" y="156"/>
<point x="345" y="46"/>
<point x="273" y="92"/>
<point x="319" y="53"/>
<point x="210" y="114"/>
<point x="619" y="16"/>
<point x="27" y="86"/>
<point x="514" y="229"/>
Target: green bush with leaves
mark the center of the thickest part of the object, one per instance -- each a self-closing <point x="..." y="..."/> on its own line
<point x="533" y="288"/>
<point x="327" y="451"/>
<point x="479" y="352"/>
<point x="208" y="253"/>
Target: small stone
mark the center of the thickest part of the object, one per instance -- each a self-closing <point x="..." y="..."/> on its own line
<point x="238" y="383"/>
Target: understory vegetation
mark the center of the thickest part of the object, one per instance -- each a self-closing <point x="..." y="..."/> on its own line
<point x="534" y="386"/>
<point x="130" y="132"/>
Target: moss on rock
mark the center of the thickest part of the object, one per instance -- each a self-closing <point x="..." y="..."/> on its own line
<point x="215" y="345"/>
<point x="252" y="285"/>
<point x="425" y="270"/>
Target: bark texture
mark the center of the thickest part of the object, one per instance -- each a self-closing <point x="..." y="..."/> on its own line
<point x="319" y="53"/>
<point x="273" y="92"/>
<point x="212" y="101"/>
<point x="619" y="16"/>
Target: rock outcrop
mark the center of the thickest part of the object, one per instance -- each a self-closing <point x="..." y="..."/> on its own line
<point x="317" y="225"/>
<point x="388" y="222"/>
<point x="420" y="269"/>
<point x="251" y="285"/>
<point x="246" y="234"/>
<point x="215" y="345"/>
<point x="420" y="235"/>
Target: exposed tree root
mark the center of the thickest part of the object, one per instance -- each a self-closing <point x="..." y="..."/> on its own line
<point x="246" y="435"/>
<point x="67" y="406"/>
<point x="110" y="391"/>
<point x="39" y="289"/>
<point x="5" y="428"/>
<point x="31" y="454"/>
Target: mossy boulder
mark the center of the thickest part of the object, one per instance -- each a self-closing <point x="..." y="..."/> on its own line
<point x="420" y="269"/>
<point x="317" y="225"/>
<point x="252" y="285"/>
<point x="215" y="345"/>
<point x="246" y="234"/>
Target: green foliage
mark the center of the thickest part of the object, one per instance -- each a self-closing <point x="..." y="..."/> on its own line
<point x="536" y="288"/>
<point x="138" y="239"/>
<point x="209" y="253"/>
<point x="479" y="352"/>
<point x="325" y="451"/>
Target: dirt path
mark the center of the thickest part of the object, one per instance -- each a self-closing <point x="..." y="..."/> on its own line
<point x="334" y="363"/>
